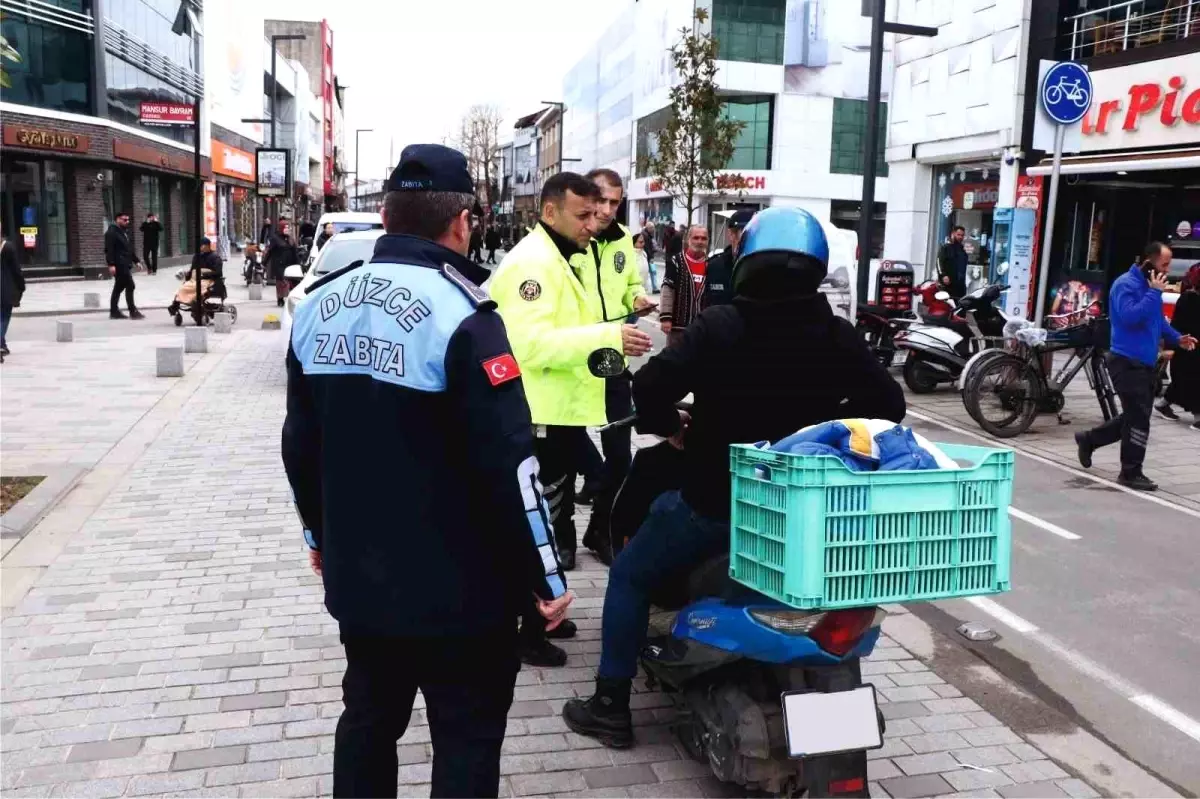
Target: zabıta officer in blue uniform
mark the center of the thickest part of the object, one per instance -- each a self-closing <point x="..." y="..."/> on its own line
<point x="409" y="447"/>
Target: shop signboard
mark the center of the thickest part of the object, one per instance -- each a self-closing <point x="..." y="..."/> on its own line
<point x="166" y="114"/>
<point x="1151" y="104"/>
<point x="232" y="162"/>
<point x="272" y="172"/>
<point x="210" y="210"/>
<point x="29" y="236"/>
<point x="1029" y="195"/>
<point x="38" y="139"/>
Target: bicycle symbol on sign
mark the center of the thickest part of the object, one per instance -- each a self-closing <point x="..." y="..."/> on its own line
<point x="1071" y="90"/>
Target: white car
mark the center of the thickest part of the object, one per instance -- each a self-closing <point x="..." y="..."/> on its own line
<point x="342" y="250"/>
<point x="345" y="222"/>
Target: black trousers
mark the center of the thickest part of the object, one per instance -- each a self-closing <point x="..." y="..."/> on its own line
<point x="468" y="688"/>
<point x="1134" y="383"/>
<point x="491" y="259"/>
<point x="150" y="258"/>
<point x="618" y="454"/>
<point x="558" y="453"/>
<point x="122" y="281"/>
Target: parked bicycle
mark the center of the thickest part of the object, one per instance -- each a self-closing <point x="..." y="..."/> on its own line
<point x="1005" y="392"/>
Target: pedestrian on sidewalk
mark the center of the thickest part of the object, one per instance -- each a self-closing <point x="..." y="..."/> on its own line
<point x="1184" y="390"/>
<point x="476" y="253"/>
<point x="264" y="232"/>
<point x="648" y="238"/>
<point x="492" y="241"/>
<point x="646" y="268"/>
<point x="952" y="262"/>
<point x="684" y="285"/>
<point x="414" y="475"/>
<point x="1138" y="328"/>
<point x="118" y="253"/>
<point x="151" y="229"/>
<point x="12" y="287"/>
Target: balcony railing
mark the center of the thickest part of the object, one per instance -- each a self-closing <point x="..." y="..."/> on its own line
<point x="1131" y="24"/>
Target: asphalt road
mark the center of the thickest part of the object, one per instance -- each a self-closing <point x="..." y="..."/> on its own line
<point x="1103" y="621"/>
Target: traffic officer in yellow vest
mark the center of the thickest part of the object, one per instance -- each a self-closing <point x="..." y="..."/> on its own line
<point x="610" y="269"/>
<point x="554" y="324"/>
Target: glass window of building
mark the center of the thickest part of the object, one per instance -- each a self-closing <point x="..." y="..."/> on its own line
<point x="846" y="215"/>
<point x="56" y="213"/>
<point x="129" y="87"/>
<point x="849" y="137"/>
<point x="749" y="30"/>
<point x="967" y="196"/>
<point x="152" y="192"/>
<point x="753" y="147"/>
<point x="647" y="140"/>
<point x="55" y="70"/>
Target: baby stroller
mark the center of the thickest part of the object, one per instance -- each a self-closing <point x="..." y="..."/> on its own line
<point x="213" y="295"/>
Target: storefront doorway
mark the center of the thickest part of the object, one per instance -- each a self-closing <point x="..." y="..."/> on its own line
<point x="966" y="195"/>
<point x="34" y="210"/>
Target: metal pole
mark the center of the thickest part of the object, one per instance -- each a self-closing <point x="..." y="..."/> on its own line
<point x="1051" y="204"/>
<point x="356" y="181"/>
<point x="197" y="303"/>
<point x="867" y="216"/>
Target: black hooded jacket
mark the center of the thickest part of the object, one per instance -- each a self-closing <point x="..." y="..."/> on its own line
<point x="759" y="370"/>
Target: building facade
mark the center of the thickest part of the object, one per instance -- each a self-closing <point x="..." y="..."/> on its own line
<point x="75" y="150"/>
<point x="792" y="71"/>
<point x="525" y="169"/>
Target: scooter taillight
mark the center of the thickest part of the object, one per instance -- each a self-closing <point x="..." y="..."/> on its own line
<point x="840" y="630"/>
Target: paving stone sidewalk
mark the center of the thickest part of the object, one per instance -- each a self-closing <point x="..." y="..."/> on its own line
<point x="178" y="646"/>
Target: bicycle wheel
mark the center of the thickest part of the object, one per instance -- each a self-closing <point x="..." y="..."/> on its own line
<point x="1002" y="396"/>
<point x="969" y="377"/>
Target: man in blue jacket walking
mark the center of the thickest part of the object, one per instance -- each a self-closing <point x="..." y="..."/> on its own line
<point x="1138" y="327"/>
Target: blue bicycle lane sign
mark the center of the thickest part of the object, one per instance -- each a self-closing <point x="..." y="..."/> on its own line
<point x="1066" y="92"/>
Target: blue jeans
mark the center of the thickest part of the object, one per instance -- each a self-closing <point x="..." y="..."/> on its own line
<point x="653" y="270"/>
<point x="673" y="539"/>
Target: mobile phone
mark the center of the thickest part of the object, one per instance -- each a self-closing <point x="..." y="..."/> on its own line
<point x="649" y="309"/>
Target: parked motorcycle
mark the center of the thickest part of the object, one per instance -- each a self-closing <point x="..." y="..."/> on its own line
<point x="940" y="346"/>
<point x="755" y="683"/>
<point x="252" y="268"/>
<point x="878" y="326"/>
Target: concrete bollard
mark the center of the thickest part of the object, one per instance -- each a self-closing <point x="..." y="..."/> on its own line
<point x="222" y="323"/>
<point x="256" y="291"/>
<point x="64" y="331"/>
<point x="169" y="361"/>
<point x="91" y="299"/>
<point x="271" y="322"/>
<point x="195" y="339"/>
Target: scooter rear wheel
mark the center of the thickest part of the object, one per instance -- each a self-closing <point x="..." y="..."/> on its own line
<point x="919" y="376"/>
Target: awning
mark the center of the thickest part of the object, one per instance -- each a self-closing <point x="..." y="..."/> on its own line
<point x="1125" y="162"/>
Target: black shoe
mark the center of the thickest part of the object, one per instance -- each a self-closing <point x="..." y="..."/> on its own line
<point x="1165" y="410"/>
<point x="605" y="716"/>
<point x="1086" y="448"/>
<point x="543" y="654"/>
<point x="567" y="557"/>
<point x="4" y="350"/>
<point x="1193" y="426"/>
<point x="116" y="315"/>
<point x="136" y="314"/>
<point x="563" y="631"/>
<point x="1137" y="481"/>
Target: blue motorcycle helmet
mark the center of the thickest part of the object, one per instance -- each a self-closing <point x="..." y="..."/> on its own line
<point x="783" y="252"/>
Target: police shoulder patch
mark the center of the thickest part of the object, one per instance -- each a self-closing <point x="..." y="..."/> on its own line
<point x="619" y="262"/>
<point x="530" y="290"/>
<point x="478" y="297"/>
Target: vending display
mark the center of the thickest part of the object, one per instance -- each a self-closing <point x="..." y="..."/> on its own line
<point x="1012" y="258"/>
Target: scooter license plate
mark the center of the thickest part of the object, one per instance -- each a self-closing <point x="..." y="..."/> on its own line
<point x="831" y="723"/>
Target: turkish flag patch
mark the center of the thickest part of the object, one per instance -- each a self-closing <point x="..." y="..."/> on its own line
<point x="501" y="369"/>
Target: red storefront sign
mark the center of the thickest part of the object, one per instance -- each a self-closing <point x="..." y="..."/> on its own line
<point x="738" y="182"/>
<point x="969" y="196"/>
<point x="327" y="101"/>
<point x="166" y="114"/>
<point x="1029" y="195"/>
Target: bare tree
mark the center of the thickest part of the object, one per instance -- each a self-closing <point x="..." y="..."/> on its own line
<point x="478" y="139"/>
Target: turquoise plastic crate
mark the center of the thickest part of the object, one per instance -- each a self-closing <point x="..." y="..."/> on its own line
<point x="809" y="532"/>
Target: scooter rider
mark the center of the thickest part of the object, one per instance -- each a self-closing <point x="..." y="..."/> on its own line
<point x="409" y="449"/>
<point x="774" y="361"/>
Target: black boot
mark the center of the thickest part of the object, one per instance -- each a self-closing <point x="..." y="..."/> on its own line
<point x="542" y="654"/>
<point x="605" y="716"/>
<point x="1137" y="481"/>
<point x="1086" y="448"/>
<point x="563" y="631"/>
<point x="567" y="557"/>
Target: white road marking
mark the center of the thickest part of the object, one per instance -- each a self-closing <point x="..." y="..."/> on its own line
<point x="1043" y="524"/>
<point x="1160" y="709"/>
<point x="1004" y="616"/>
<point x="1090" y="668"/>
<point x="1166" y="503"/>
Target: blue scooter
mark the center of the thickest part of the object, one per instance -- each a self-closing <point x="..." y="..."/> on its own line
<point x="769" y="696"/>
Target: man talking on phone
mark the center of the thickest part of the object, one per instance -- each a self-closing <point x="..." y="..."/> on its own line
<point x="1135" y="308"/>
<point x="609" y="268"/>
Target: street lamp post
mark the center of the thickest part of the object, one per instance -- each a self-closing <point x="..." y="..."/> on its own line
<point x="356" y="180"/>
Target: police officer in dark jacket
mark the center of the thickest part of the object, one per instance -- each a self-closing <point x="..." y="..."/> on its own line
<point x="719" y="281"/>
<point x="119" y="255"/>
<point x="774" y="361"/>
<point x="409" y="447"/>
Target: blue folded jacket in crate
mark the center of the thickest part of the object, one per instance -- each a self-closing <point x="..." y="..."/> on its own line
<point x="818" y="531"/>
